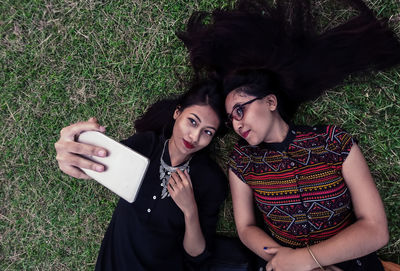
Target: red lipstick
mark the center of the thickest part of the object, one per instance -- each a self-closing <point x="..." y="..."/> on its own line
<point x="245" y="134"/>
<point x="188" y="145"/>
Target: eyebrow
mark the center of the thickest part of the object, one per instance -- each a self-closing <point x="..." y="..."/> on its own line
<point x="197" y="117"/>
<point x="237" y="105"/>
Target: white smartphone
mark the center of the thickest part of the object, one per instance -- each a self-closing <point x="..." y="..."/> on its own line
<point x="125" y="168"/>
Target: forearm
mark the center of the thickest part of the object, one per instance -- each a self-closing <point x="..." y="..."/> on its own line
<point x="355" y="241"/>
<point x="193" y="241"/>
<point x="256" y="239"/>
<point x="369" y="232"/>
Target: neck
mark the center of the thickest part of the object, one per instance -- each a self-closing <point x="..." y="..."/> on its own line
<point x="175" y="155"/>
<point x="279" y="130"/>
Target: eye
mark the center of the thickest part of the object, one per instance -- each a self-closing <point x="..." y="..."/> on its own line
<point x="208" y="132"/>
<point x="239" y="111"/>
<point x="192" y="122"/>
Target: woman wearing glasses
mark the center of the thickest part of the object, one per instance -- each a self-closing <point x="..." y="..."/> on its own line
<point x="320" y="207"/>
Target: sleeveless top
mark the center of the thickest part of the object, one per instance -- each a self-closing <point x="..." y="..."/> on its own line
<point x="297" y="184"/>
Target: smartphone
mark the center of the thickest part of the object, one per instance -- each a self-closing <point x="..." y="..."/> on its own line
<point x="124" y="168"/>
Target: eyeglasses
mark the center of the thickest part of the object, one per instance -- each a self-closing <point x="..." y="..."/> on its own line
<point x="238" y="112"/>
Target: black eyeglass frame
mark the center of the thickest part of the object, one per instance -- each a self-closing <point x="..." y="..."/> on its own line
<point x="230" y="116"/>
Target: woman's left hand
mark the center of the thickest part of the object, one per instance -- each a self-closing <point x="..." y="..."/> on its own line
<point x="181" y="190"/>
<point x="287" y="259"/>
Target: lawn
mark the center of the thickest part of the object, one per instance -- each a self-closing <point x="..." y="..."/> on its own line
<point x="65" y="61"/>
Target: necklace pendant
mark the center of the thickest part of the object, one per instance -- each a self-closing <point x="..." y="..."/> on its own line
<point x="166" y="171"/>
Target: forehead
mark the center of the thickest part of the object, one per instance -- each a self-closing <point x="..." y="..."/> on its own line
<point x="205" y="113"/>
<point x="234" y="98"/>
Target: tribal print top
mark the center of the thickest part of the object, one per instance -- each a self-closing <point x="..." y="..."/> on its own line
<point x="297" y="184"/>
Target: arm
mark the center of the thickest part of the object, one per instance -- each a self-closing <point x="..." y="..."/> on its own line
<point x="69" y="151"/>
<point x="181" y="190"/>
<point x="370" y="232"/>
<point x="366" y="235"/>
<point x="249" y="233"/>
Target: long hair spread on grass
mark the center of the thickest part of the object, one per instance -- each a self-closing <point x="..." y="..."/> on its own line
<point x="281" y="44"/>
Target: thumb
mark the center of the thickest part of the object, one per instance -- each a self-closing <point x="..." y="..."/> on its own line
<point x="100" y="128"/>
<point x="271" y="250"/>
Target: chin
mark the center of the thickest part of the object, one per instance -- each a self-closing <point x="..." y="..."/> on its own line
<point x="253" y="142"/>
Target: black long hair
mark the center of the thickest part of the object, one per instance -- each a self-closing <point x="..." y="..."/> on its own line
<point x="277" y="49"/>
<point x="159" y="117"/>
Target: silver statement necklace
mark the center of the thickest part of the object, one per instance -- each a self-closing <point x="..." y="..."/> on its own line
<point x="166" y="171"/>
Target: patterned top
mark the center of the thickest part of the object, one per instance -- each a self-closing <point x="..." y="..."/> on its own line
<point x="297" y="184"/>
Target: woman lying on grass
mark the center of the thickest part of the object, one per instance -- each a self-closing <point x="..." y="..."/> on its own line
<point x="173" y="219"/>
<point x="320" y="207"/>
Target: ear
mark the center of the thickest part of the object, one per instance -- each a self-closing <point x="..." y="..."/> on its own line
<point x="271" y="101"/>
<point x="177" y="112"/>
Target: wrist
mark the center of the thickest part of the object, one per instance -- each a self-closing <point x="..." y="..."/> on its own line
<point x="309" y="262"/>
<point x="312" y="260"/>
<point x="191" y="213"/>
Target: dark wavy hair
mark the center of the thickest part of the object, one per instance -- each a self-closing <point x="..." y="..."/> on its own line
<point x="159" y="116"/>
<point x="277" y="49"/>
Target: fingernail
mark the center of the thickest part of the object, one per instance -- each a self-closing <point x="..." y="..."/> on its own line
<point x="99" y="168"/>
<point x="265" y="248"/>
<point x="102" y="129"/>
<point x="102" y="153"/>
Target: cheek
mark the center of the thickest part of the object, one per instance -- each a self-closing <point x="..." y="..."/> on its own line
<point x="178" y="129"/>
<point x="255" y="117"/>
<point x="182" y="125"/>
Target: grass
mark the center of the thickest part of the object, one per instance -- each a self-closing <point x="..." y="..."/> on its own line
<point x="65" y="61"/>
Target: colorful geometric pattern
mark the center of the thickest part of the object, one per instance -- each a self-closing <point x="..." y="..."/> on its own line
<point x="298" y="185"/>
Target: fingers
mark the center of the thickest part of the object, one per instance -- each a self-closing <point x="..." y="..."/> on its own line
<point x="269" y="267"/>
<point x="271" y="250"/>
<point x="186" y="173"/>
<point x="176" y="181"/>
<point x="66" y="160"/>
<point x="184" y="176"/>
<point x="75" y="172"/>
<point x="70" y="132"/>
<point x="179" y="180"/>
<point x="79" y="148"/>
<point x="70" y="153"/>
<point x="92" y="119"/>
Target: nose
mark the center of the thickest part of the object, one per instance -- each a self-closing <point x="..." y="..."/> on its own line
<point x="237" y="124"/>
<point x="195" y="135"/>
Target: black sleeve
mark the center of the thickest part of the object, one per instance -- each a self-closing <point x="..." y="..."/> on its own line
<point x="210" y="187"/>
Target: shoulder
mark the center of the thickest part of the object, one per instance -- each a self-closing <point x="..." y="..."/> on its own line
<point x="337" y="136"/>
<point x="328" y="132"/>
<point x="334" y="139"/>
<point x="143" y="142"/>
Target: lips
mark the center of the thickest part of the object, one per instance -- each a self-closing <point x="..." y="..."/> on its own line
<point x="187" y="144"/>
<point x="245" y="134"/>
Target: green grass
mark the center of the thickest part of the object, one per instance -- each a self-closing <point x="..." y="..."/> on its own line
<point x="65" y="61"/>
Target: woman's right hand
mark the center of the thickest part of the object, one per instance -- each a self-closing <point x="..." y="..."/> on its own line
<point x="69" y="151"/>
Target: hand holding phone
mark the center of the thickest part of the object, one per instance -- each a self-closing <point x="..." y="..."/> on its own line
<point x="124" y="168"/>
<point x="70" y="152"/>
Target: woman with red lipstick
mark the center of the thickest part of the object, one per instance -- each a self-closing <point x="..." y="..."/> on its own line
<point x="319" y="204"/>
<point x="173" y="220"/>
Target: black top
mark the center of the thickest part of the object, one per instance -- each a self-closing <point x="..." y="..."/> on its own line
<point x="148" y="233"/>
